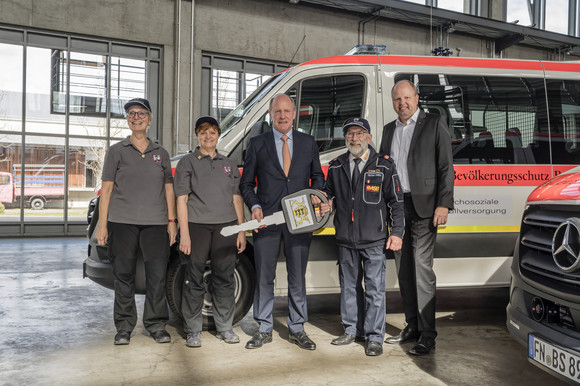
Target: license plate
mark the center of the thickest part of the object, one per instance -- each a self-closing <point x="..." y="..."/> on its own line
<point x="554" y="358"/>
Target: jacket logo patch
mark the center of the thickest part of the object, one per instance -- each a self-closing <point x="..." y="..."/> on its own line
<point x="156" y="158"/>
<point x="372" y="188"/>
<point x="228" y="170"/>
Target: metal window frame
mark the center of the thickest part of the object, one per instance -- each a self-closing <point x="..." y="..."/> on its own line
<point x="30" y="37"/>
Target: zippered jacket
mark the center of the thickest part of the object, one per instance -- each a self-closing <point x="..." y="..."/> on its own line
<point x="362" y="217"/>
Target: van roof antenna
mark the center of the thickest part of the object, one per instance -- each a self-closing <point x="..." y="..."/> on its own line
<point x="299" y="45"/>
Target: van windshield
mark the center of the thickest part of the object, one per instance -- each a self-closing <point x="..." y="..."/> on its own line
<point x="243" y="108"/>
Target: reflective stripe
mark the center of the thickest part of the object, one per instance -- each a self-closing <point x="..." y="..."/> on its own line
<point x="451" y="229"/>
<point x="479" y="229"/>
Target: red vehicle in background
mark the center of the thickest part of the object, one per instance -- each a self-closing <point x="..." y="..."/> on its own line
<point x="544" y="309"/>
<point x="41" y="184"/>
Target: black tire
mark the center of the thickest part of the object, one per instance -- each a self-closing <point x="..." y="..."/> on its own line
<point x="37" y="203"/>
<point x="244" y="277"/>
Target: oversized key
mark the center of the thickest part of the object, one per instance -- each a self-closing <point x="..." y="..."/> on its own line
<point x="297" y="212"/>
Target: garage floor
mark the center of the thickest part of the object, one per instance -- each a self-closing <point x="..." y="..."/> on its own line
<point x="56" y="328"/>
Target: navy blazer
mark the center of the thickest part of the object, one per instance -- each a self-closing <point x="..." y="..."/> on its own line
<point x="261" y="163"/>
<point x="430" y="163"/>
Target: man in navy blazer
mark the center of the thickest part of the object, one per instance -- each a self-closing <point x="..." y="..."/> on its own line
<point x="282" y="161"/>
<point x="419" y="144"/>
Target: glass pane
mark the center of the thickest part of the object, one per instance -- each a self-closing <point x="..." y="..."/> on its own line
<point x="416" y="1"/>
<point x="325" y="103"/>
<point x="10" y="146"/>
<point x="41" y="114"/>
<point x="253" y="81"/>
<point x="42" y="179"/>
<point x="88" y="94"/>
<point x="557" y="16"/>
<point x="86" y="156"/>
<point x="565" y="121"/>
<point x="452" y="5"/>
<point x="225" y="92"/>
<point x="491" y="120"/>
<point x="11" y="87"/>
<point x="127" y="82"/>
<point x="518" y="10"/>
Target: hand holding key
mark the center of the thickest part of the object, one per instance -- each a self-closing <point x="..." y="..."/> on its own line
<point x="297" y="212"/>
<point x="258" y="215"/>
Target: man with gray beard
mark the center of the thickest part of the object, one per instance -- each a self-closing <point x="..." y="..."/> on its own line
<point x="364" y="191"/>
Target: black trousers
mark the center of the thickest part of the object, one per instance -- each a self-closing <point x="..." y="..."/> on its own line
<point x="266" y="250"/>
<point x="208" y="244"/>
<point x="127" y="242"/>
<point x="417" y="279"/>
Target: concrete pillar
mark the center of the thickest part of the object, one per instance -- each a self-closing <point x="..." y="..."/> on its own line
<point x="497" y="9"/>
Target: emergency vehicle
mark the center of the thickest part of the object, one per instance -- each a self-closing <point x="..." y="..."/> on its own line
<point x="513" y="125"/>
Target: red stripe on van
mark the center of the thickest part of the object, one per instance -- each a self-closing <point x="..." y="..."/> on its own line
<point x="438" y="61"/>
<point x="562" y="66"/>
<point x="506" y="175"/>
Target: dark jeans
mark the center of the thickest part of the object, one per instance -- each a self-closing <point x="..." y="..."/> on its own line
<point x="127" y="241"/>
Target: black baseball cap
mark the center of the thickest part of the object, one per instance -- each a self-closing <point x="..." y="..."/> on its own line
<point x="359" y="122"/>
<point x="138" y="102"/>
<point x="211" y="120"/>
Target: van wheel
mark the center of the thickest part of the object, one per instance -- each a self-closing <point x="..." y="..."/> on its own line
<point x="37" y="203"/>
<point x="244" y="277"/>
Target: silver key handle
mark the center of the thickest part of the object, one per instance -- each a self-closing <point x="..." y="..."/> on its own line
<point x="300" y="213"/>
<point x="297" y="212"/>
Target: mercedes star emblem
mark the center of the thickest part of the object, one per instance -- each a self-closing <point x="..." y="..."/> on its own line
<point x="566" y="245"/>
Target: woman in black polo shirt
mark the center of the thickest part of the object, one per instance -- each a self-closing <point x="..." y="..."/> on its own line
<point x="137" y="215"/>
<point x="208" y="198"/>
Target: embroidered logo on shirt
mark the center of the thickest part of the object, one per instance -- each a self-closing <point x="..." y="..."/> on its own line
<point x="156" y="158"/>
<point x="228" y="170"/>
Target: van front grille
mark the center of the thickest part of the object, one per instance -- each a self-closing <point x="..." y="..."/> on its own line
<point x="536" y="263"/>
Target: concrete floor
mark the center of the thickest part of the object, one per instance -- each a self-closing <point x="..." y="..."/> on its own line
<point x="56" y="329"/>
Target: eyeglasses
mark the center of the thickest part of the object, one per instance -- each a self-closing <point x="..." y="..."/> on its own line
<point x="140" y="114"/>
<point x="358" y="134"/>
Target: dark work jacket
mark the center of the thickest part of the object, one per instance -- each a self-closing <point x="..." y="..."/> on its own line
<point x="378" y="201"/>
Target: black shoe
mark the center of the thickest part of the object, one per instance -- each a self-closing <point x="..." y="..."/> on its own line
<point x="374" y="349"/>
<point x="160" y="336"/>
<point x="408" y="334"/>
<point x="343" y="340"/>
<point x="423" y="347"/>
<point x="259" y="339"/>
<point x="302" y="340"/>
<point x="122" y="338"/>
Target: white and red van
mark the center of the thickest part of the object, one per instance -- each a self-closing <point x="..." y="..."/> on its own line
<point x="514" y="124"/>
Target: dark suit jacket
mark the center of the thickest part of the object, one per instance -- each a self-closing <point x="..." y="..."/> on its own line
<point x="430" y="163"/>
<point x="262" y="163"/>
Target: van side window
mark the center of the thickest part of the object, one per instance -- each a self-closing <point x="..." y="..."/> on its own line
<point x="491" y="119"/>
<point x="564" y="108"/>
<point x="324" y="103"/>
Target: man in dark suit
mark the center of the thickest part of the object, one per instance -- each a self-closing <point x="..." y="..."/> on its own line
<point x="420" y="145"/>
<point x="283" y="161"/>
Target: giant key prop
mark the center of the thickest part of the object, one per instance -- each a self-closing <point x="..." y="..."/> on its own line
<point x="297" y="212"/>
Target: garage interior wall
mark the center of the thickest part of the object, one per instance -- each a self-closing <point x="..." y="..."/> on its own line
<point x="185" y="32"/>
